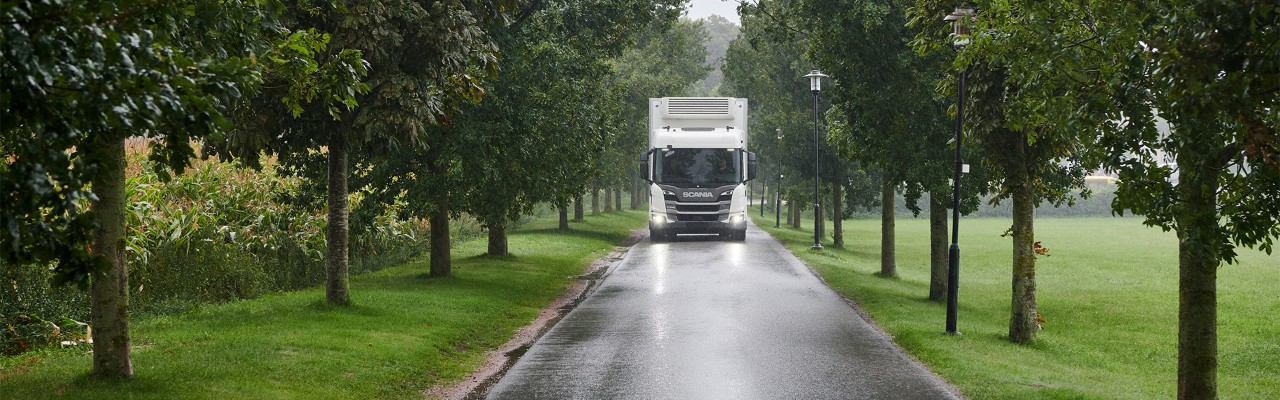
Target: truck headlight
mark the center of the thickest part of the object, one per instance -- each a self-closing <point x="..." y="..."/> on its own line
<point x="727" y="193"/>
<point x="659" y="219"/>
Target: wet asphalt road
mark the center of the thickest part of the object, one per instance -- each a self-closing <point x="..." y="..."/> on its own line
<point x="705" y="319"/>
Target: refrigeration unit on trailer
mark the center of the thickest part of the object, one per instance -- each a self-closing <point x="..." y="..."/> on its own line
<point x="697" y="167"/>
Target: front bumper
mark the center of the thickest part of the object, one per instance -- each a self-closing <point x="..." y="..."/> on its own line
<point x="727" y="223"/>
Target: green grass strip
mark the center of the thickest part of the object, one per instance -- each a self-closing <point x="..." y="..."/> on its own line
<point x="403" y="334"/>
<point x="1108" y="291"/>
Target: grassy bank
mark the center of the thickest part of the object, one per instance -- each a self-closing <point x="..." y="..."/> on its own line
<point x="1108" y="291"/>
<point x="404" y="334"/>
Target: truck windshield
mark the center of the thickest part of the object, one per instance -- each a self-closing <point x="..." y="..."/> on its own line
<point x="698" y="166"/>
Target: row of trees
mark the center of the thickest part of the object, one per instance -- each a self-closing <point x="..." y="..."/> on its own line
<point x="1179" y="98"/>
<point x="477" y="107"/>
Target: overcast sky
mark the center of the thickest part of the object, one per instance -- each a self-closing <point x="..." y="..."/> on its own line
<point x="699" y="9"/>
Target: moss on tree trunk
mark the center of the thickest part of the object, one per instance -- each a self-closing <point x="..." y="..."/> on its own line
<point x="595" y="201"/>
<point x="441" y="260"/>
<point x="108" y="291"/>
<point x="938" y="263"/>
<point x="888" y="255"/>
<point x="1023" y="312"/>
<point x="638" y="189"/>
<point x="1198" y="260"/>
<point x="441" y="263"/>
<point x="577" y="209"/>
<point x="498" y="237"/>
<point x="837" y="213"/>
<point x="608" y="200"/>
<point x="337" y="290"/>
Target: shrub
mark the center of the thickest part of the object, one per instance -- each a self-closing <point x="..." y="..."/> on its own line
<point x="216" y="233"/>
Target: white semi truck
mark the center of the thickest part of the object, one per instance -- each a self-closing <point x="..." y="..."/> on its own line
<point x="697" y="167"/>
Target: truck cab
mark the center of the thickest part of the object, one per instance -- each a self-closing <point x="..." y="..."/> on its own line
<point x="697" y="167"/>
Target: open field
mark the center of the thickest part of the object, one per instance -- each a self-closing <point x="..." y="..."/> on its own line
<point x="404" y="334"/>
<point x="1108" y="292"/>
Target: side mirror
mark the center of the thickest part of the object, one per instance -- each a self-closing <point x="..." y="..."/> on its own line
<point x="644" y="166"/>
<point x="751" y="166"/>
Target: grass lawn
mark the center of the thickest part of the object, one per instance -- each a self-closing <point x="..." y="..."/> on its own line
<point x="1108" y="292"/>
<point x="404" y="334"/>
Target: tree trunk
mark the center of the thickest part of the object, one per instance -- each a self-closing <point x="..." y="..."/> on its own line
<point x="337" y="290"/>
<point x="498" y="238"/>
<point x="938" y="263"/>
<point x="1198" y="255"/>
<point x="837" y="214"/>
<point x="637" y="186"/>
<point x="764" y="195"/>
<point x="795" y="216"/>
<point x="888" y="255"/>
<point x="617" y="199"/>
<point x="564" y="217"/>
<point x="608" y="200"/>
<point x="788" y="213"/>
<point x="1023" y="313"/>
<point x="109" y="290"/>
<point x="595" y="201"/>
<point x="577" y="209"/>
<point x="441" y="262"/>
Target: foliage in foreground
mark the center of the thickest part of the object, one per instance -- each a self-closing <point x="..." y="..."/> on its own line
<point x="214" y="234"/>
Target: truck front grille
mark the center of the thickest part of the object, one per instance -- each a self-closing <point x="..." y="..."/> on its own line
<point x="700" y="217"/>
<point x="697" y="208"/>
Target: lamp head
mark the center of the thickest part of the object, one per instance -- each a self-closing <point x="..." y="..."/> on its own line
<point x="960" y="20"/>
<point x="815" y="80"/>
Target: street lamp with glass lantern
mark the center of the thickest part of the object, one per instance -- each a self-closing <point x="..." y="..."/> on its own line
<point x="959" y="20"/>
<point x="815" y="84"/>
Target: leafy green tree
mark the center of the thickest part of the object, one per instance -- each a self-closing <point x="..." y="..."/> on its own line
<point x="424" y="61"/>
<point x="720" y="32"/>
<point x="564" y="110"/>
<point x="540" y="134"/>
<point x="767" y="62"/>
<point x="78" y="79"/>
<point x="1209" y="69"/>
<point x="895" y="121"/>
<point x="1030" y="159"/>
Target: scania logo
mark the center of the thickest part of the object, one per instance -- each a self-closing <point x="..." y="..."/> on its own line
<point x="697" y="194"/>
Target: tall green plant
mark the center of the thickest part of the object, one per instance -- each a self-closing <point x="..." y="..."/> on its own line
<point x="80" y="77"/>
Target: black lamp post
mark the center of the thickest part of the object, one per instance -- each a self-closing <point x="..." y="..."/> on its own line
<point x="777" y="204"/>
<point x="815" y="84"/>
<point x="763" y="197"/>
<point x="960" y="23"/>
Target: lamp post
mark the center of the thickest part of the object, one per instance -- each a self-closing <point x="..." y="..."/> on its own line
<point x="815" y="84"/>
<point x="763" y="197"/>
<point x="960" y="23"/>
<point x="777" y="204"/>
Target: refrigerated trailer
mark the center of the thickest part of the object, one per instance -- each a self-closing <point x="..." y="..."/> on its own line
<point x="697" y="167"/>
